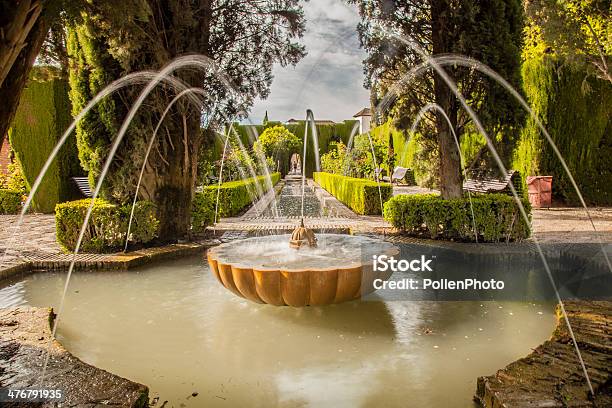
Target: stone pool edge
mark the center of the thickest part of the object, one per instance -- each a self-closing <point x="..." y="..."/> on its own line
<point x="502" y="389"/>
<point x="551" y="375"/>
<point x="26" y="336"/>
<point x="102" y="262"/>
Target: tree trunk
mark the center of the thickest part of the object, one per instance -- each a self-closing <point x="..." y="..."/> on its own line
<point x="451" y="183"/>
<point x="22" y="32"/>
<point x="175" y="181"/>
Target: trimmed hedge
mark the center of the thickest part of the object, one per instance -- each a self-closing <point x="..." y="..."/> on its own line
<point x="234" y="196"/>
<point x="360" y="195"/>
<point x="43" y="115"/>
<point x="576" y="109"/>
<point x="497" y="217"/>
<point x="10" y="201"/>
<point x="107" y="225"/>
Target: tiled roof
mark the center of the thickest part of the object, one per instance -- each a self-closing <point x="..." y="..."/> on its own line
<point x="363" y="112"/>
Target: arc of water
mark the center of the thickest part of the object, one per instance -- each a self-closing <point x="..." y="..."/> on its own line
<point x="253" y="136"/>
<point x="262" y="158"/>
<point x="193" y="61"/>
<point x="415" y="124"/>
<point x="148" y="152"/>
<point x="186" y="92"/>
<point x="454" y="59"/>
<point x="453" y="87"/>
<point x="135" y="78"/>
<point x="376" y="174"/>
<point x="349" y="147"/>
<point x="225" y="143"/>
<point x="314" y="134"/>
<point x="304" y="160"/>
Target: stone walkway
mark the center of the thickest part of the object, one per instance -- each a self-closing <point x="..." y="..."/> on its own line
<point x="572" y="225"/>
<point x="34" y="247"/>
<point x="35" y="239"/>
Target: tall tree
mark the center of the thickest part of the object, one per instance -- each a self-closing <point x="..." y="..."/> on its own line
<point x="244" y="38"/>
<point x="487" y="30"/>
<point x="23" y="27"/>
<point x="577" y="30"/>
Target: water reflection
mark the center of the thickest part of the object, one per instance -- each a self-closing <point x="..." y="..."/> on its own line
<point x="174" y="328"/>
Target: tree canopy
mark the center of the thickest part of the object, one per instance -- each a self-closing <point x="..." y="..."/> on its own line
<point x="279" y="144"/>
<point x="115" y="37"/>
<point x="577" y="30"/>
<point x="487" y="30"/>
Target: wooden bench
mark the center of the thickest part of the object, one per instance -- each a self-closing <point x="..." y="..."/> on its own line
<point x="484" y="182"/>
<point x="83" y="184"/>
<point x="401" y="174"/>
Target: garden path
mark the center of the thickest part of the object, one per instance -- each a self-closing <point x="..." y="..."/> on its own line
<point x="36" y="237"/>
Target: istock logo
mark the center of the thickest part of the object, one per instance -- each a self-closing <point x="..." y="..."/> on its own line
<point x="383" y="263"/>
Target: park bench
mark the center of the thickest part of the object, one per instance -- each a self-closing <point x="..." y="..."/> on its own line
<point x="484" y="182"/>
<point x="83" y="184"/>
<point x="401" y="174"/>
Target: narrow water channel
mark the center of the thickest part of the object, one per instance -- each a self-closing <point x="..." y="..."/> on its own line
<point x="289" y="201"/>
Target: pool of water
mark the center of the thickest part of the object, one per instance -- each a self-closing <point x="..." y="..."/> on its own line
<point x="174" y="328"/>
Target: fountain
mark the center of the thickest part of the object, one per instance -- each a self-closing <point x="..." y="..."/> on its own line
<point x="299" y="269"/>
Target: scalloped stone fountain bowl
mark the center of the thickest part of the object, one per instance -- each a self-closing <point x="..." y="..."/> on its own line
<point x="266" y="270"/>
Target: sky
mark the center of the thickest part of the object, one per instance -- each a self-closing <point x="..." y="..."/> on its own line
<point x="329" y="80"/>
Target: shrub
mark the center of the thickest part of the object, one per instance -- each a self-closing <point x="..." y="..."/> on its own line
<point x="496" y="216"/>
<point x="234" y="196"/>
<point x="10" y="201"/>
<point x="279" y="144"/>
<point x="361" y="195"/>
<point x="326" y="135"/>
<point x="107" y="226"/>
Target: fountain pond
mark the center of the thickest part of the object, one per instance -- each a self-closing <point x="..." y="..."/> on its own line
<point x="172" y="327"/>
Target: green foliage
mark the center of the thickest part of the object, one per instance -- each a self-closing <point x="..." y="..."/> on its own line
<point x="239" y="162"/>
<point x="395" y="34"/>
<point x="92" y="68"/>
<point x="10" y="201"/>
<point x="328" y="135"/>
<point x="42" y="117"/>
<point x="335" y="160"/>
<point x="361" y="195"/>
<point x="576" y="110"/>
<point x="279" y="144"/>
<point x="496" y="217"/>
<point x="14" y="179"/>
<point x="234" y="196"/>
<point x="114" y="39"/>
<point x="576" y="30"/>
<point x="416" y="152"/>
<point x="107" y="225"/>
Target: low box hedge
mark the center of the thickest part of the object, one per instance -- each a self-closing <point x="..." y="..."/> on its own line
<point x="10" y="201"/>
<point x="361" y="195"/>
<point x="497" y="217"/>
<point x="234" y="196"/>
<point x="107" y="225"/>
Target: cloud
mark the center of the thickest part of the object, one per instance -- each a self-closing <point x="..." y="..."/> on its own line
<point x="329" y="80"/>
